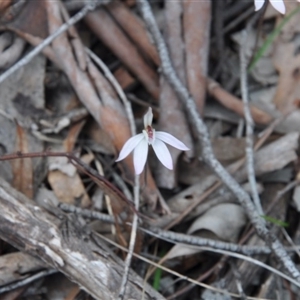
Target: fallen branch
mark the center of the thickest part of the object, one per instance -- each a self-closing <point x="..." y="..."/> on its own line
<point x="94" y="267"/>
<point x="208" y="155"/>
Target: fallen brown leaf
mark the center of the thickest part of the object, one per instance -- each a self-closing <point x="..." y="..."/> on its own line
<point x="22" y="168"/>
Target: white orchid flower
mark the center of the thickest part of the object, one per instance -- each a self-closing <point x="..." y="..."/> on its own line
<point x="277" y="4"/>
<point x="139" y="145"/>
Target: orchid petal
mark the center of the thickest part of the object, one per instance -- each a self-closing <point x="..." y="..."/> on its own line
<point x="130" y="145"/>
<point x="258" y="4"/>
<point x="148" y="117"/>
<point x="171" y="140"/>
<point x="163" y="153"/>
<point x="278" y="5"/>
<point x="140" y="154"/>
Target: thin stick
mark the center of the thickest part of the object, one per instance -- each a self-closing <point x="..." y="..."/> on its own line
<point x="106" y="197"/>
<point x="136" y="190"/>
<point x="116" y="86"/>
<point x="132" y="239"/>
<point x="203" y="136"/>
<point x="104" y="184"/>
<point x="27" y="58"/>
<point x="122" y="185"/>
<point x="88" y="213"/>
<point x="249" y="127"/>
<point x="176" y="237"/>
<point x="231" y="253"/>
<point x="289" y="239"/>
<point x="27" y="280"/>
<point x="251" y="260"/>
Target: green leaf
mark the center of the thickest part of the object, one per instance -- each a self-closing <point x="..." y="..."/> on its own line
<point x="275" y="221"/>
<point x="158" y="272"/>
<point x="157" y="278"/>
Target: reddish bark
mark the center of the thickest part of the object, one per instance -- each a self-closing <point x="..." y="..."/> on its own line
<point x="172" y="118"/>
<point x="196" y="22"/>
<point x="109" y="32"/>
<point x="235" y="104"/>
<point x="135" y="29"/>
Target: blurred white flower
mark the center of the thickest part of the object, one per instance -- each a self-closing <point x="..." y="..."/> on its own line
<point x="277" y="4"/>
<point x="139" y="145"/>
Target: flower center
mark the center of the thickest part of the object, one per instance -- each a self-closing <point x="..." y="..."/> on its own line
<point x="149" y="133"/>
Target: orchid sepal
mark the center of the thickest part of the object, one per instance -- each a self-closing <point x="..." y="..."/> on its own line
<point x="130" y="145"/>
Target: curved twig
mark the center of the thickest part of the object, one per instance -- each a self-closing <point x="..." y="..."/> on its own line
<point x="203" y="136"/>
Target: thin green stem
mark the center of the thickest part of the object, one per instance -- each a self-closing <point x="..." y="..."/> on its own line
<point x="271" y="38"/>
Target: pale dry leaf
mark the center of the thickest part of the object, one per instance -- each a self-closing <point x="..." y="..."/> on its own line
<point x="11" y="52"/>
<point x="63" y="176"/>
<point x="274" y="156"/>
<point x="97" y="199"/>
<point x="224" y="220"/>
<point x="263" y="99"/>
<point x="88" y="158"/>
<point x="45" y="197"/>
<point x="14" y="266"/>
<point x="68" y="189"/>
<point x="62" y="164"/>
<point x="71" y="139"/>
<point x="67" y="184"/>
<point x="296" y="197"/>
<point x="180" y="250"/>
